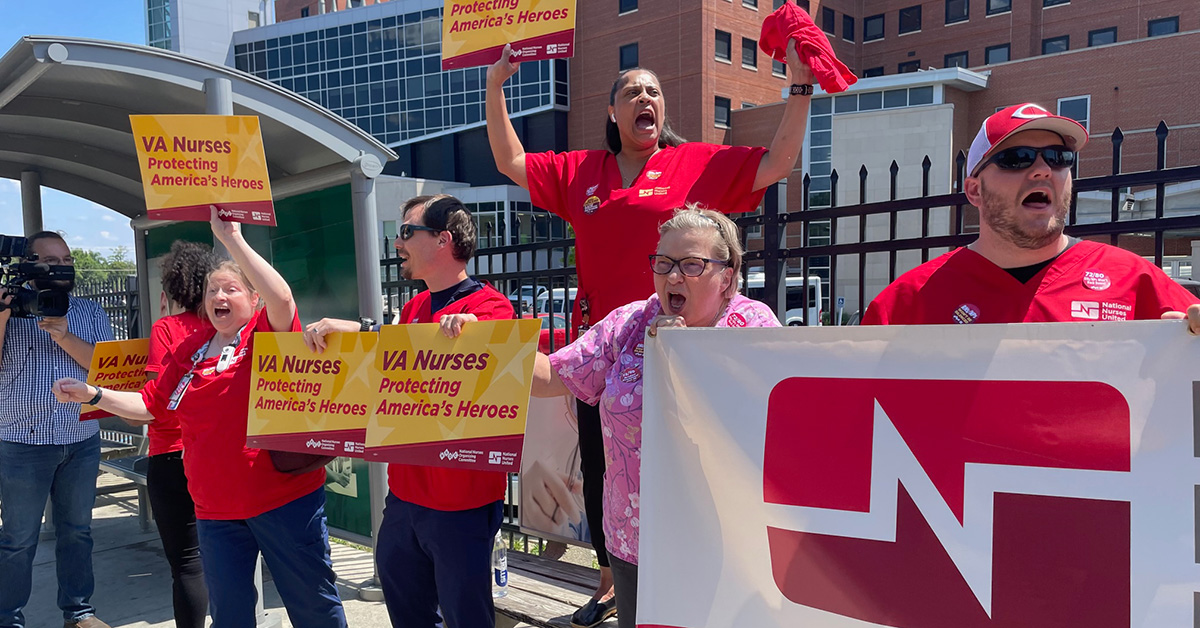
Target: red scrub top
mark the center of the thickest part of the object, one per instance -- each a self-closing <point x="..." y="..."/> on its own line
<point x="164" y="433"/>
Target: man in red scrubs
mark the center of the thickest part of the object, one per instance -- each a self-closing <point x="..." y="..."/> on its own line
<point x="1023" y="268"/>
<point x="435" y="543"/>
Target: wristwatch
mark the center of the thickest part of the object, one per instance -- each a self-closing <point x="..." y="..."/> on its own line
<point x="801" y="90"/>
<point x="365" y="324"/>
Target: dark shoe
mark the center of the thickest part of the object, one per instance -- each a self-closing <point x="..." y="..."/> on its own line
<point x="594" y="613"/>
<point x="87" y="622"/>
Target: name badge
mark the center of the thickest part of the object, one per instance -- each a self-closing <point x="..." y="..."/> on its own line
<point x="180" y="389"/>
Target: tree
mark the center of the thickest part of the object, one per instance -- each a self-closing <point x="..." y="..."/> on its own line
<point x="94" y="267"/>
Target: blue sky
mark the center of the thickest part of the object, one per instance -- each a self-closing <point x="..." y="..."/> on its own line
<point x="85" y="224"/>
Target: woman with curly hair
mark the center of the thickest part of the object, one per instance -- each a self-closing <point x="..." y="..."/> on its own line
<point x="183" y="273"/>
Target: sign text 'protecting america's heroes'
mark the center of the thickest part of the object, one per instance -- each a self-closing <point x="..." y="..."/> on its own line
<point x="458" y="403"/>
<point x="189" y="162"/>
<point x="307" y="402"/>
<point x="474" y="32"/>
<point x="116" y="365"/>
<point x="1004" y="476"/>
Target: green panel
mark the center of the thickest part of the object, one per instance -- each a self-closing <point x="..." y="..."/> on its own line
<point x="313" y="248"/>
<point x="158" y="241"/>
<point x="348" y="496"/>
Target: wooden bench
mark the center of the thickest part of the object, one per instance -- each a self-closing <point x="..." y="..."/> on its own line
<point x="544" y="592"/>
<point x="124" y="453"/>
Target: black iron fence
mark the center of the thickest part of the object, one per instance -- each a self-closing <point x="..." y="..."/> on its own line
<point x="119" y="298"/>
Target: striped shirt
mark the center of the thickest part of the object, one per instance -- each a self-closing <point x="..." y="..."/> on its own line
<point x="31" y="362"/>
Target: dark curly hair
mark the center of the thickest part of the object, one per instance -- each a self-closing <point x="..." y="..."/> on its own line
<point x="183" y="273"/>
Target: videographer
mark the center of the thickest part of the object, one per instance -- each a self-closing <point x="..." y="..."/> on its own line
<point x="45" y="450"/>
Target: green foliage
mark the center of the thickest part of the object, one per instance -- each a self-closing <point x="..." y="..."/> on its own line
<point x="92" y="266"/>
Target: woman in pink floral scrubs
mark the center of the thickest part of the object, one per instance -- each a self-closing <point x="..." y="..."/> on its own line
<point x="696" y="274"/>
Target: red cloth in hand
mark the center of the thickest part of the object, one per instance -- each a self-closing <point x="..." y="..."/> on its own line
<point x="789" y="22"/>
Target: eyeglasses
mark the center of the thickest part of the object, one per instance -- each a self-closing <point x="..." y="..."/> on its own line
<point x="689" y="266"/>
<point x="406" y="230"/>
<point x="1022" y="157"/>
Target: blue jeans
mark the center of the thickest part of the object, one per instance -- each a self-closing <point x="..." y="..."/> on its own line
<point x="294" y="542"/>
<point x="29" y="475"/>
<point x="429" y="558"/>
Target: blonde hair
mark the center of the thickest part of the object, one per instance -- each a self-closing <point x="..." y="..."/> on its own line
<point x="729" y="243"/>
<point x="225" y="266"/>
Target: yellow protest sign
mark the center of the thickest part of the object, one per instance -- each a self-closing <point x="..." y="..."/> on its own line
<point x="474" y="31"/>
<point x="191" y="162"/>
<point x="116" y="365"/>
<point x="455" y="403"/>
<point x="307" y="402"/>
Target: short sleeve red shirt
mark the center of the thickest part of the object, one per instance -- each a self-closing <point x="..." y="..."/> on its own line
<point x="617" y="228"/>
<point x="164" y="433"/>
<point x="227" y="479"/>
<point x="1088" y="282"/>
<point x="441" y="488"/>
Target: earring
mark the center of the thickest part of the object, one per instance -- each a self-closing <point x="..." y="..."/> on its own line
<point x="612" y="116"/>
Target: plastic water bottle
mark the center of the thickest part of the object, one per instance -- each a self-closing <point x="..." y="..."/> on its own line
<point x="499" y="567"/>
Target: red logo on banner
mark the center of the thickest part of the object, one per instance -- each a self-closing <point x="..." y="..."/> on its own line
<point x="1056" y="561"/>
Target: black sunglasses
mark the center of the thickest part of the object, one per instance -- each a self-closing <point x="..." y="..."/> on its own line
<point x="406" y="230"/>
<point x="1022" y="157"/>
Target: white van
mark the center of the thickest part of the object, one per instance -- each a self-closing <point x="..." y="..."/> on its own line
<point x="554" y="299"/>
<point x="795" y="297"/>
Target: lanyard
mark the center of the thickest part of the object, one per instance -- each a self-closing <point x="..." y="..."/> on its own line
<point x="222" y="363"/>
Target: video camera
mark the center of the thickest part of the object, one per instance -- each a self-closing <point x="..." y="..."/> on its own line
<point x="18" y="266"/>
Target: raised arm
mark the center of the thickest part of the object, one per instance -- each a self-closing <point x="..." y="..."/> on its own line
<point x="128" y="405"/>
<point x="506" y="146"/>
<point x="789" y="138"/>
<point x="271" y="287"/>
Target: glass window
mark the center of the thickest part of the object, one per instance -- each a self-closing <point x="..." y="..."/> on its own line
<point x="828" y="19"/>
<point x="869" y="72"/>
<point x="721" y="117"/>
<point x="629" y="56"/>
<point x="724" y="44"/>
<point x="778" y="68"/>
<point x="752" y="4"/>
<point x="957" y="11"/>
<point x="749" y="53"/>
<point x="1077" y="108"/>
<point x="920" y="96"/>
<point x="1050" y="3"/>
<point x="1164" y="26"/>
<point x="910" y="19"/>
<point x="956" y="60"/>
<point x="996" y="54"/>
<point x="870" y="101"/>
<point x="847" y="28"/>
<point x="821" y="106"/>
<point x="1102" y="36"/>
<point x="873" y="28"/>
<point x="625" y="6"/>
<point x="845" y="104"/>
<point x="895" y="98"/>
<point x="998" y="6"/>
<point x="1053" y="45"/>
<point x="908" y="66"/>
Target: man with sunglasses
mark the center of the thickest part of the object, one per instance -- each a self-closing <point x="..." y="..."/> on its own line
<point x="435" y="543"/>
<point x="1023" y="268"/>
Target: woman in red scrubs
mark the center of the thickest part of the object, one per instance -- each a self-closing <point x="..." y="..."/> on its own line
<point x="616" y="198"/>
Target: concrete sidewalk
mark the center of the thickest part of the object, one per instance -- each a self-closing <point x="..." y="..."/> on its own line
<point x="133" y="581"/>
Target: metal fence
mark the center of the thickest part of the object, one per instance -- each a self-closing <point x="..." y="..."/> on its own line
<point x="119" y="298"/>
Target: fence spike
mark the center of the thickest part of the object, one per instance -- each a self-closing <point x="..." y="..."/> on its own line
<point x="1161" y="133"/>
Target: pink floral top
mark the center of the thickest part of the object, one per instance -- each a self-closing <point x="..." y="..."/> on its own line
<point x="605" y="365"/>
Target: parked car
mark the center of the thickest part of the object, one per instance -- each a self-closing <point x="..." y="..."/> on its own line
<point x="524" y="298"/>
<point x="554" y="301"/>
<point x="1191" y="285"/>
<point x="795" y="297"/>
<point x="553" y="326"/>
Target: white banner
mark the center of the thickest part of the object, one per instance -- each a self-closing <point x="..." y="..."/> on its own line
<point x="551" y="485"/>
<point x="1030" y="476"/>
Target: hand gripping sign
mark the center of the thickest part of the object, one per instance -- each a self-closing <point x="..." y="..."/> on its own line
<point x="474" y="32"/>
<point x="1004" y="476"/>
<point x="116" y="365"/>
<point x="189" y="162"/>
<point x="457" y="403"/>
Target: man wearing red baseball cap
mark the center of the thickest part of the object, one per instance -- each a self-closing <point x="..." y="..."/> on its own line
<point x="1023" y="268"/>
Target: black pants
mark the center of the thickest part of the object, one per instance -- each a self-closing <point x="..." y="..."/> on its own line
<point x="591" y="464"/>
<point x="175" y="515"/>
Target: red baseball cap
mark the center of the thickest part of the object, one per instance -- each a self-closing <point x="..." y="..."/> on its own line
<point x="1027" y="117"/>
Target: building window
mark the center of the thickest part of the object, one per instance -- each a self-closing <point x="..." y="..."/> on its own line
<point x="908" y="66"/>
<point x="252" y="19"/>
<point x="1056" y="44"/>
<point x="957" y="60"/>
<point x="995" y="7"/>
<point x="1077" y="108"/>
<point x="828" y="19"/>
<point x="869" y="72"/>
<point x="778" y="68"/>
<point x="721" y="117"/>
<point x="847" y="28"/>
<point x="749" y="53"/>
<point x="629" y="56"/>
<point x="957" y="11"/>
<point x="775" y="4"/>
<point x="996" y="54"/>
<point x="625" y="6"/>
<point x="750" y="4"/>
<point x="1102" y="36"/>
<point x="304" y="12"/>
<point x="1165" y="26"/>
<point x="723" y="46"/>
<point x="873" y="28"/>
<point x="748" y="105"/>
<point x="910" y="19"/>
<point x="1053" y="3"/>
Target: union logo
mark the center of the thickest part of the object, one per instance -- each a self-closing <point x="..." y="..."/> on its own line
<point x="591" y="205"/>
<point x="1096" y="280"/>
